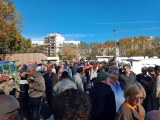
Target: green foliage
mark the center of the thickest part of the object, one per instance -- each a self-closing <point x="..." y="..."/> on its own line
<point x="83" y="49"/>
<point x="95" y="47"/>
<point x="68" y="52"/>
<point x="25" y="45"/>
<point x="156" y="43"/>
<point x="109" y="47"/>
<point x="136" y="46"/>
<point x="9" y="17"/>
<point x="11" y="40"/>
<point x="149" y="52"/>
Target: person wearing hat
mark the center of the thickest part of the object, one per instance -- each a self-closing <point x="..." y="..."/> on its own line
<point x="102" y="98"/>
<point x="145" y="80"/>
<point x="65" y="83"/>
<point x="9" y="107"/>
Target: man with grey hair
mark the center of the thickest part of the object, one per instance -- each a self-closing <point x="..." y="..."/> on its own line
<point x="36" y="91"/>
<point x="116" y="87"/>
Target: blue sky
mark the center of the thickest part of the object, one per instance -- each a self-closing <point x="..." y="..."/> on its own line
<point x="89" y="20"/>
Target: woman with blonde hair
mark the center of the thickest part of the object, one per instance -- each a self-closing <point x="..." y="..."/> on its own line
<point x="132" y="109"/>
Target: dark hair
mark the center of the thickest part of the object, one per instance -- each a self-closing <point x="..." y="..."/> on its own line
<point x="144" y="69"/>
<point x="150" y="68"/>
<point x="72" y="105"/>
<point x="127" y="65"/>
<point x="157" y="68"/>
<point x="65" y="74"/>
<point x="106" y="69"/>
<point x="79" y="70"/>
<point x="2" y="92"/>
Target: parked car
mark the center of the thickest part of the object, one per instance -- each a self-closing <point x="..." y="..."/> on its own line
<point x="7" y="69"/>
<point x="7" y="66"/>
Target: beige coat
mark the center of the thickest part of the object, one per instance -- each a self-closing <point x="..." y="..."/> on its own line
<point x="126" y="113"/>
<point x="39" y="88"/>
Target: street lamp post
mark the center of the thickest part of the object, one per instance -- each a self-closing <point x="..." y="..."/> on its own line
<point x="114" y="31"/>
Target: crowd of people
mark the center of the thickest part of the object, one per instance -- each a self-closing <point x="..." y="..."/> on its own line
<point x="85" y="90"/>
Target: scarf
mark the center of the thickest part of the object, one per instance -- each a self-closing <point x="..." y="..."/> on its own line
<point x="134" y="109"/>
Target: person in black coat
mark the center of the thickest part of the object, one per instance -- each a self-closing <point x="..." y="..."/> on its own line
<point x="102" y="99"/>
<point x="145" y="80"/>
<point x="23" y="93"/>
<point x="50" y="81"/>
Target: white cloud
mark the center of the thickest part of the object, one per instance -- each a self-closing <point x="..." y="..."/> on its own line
<point x="66" y="36"/>
<point x="76" y="36"/>
<point x="37" y="38"/>
<point x="131" y="22"/>
<point x="139" y="29"/>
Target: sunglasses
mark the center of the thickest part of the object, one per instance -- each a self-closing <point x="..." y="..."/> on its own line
<point x="138" y="98"/>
